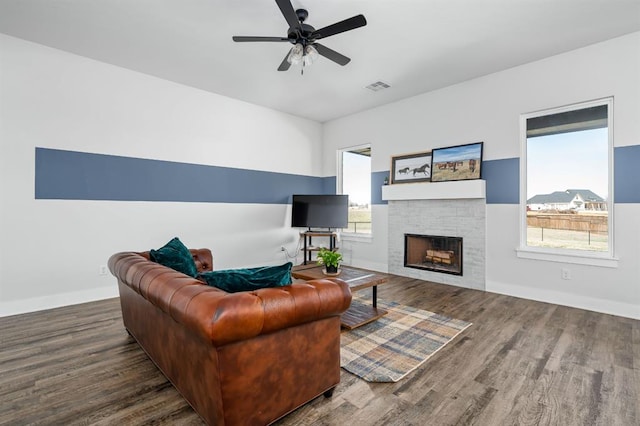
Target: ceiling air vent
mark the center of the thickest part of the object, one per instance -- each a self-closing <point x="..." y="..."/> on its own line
<point x="378" y="85"/>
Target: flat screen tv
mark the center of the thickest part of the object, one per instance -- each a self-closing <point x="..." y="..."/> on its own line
<point x="319" y="211"/>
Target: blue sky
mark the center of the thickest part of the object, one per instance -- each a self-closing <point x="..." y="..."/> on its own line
<point x="458" y="153"/>
<point x="576" y="160"/>
<point x="356" y="177"/>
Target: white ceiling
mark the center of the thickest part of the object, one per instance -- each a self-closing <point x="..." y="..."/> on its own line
<point x="414" y="45"/>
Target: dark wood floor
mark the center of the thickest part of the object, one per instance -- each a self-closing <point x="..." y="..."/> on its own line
<point x="521" y="363"/>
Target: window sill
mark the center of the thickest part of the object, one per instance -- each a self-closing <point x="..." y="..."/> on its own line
<point x="576" y="258"/>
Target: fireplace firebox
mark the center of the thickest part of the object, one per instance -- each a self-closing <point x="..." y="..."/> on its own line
<point x="433" y="253"/>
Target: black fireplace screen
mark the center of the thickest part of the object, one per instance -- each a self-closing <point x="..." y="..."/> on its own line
<point x="433" y="253"/>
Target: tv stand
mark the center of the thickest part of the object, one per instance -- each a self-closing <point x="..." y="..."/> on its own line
<point x="309" y="248"/>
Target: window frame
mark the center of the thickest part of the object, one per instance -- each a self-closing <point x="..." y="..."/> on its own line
<point x="605" y="259"/>
<point x="356" y="236"/>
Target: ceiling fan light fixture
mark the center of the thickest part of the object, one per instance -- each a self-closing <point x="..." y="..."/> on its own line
<point x="296" y="54"/>
<point x="310" y="55"/>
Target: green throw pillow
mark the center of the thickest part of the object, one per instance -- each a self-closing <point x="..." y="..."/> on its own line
<point x="176" y="256"/>
<point x="234" y="280"/>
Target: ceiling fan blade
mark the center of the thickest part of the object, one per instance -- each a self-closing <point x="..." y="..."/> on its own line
<point x="252" y="38"/>
<point x="289" y="13"/>
<point x="285" y="64"/>
<point x="339" y="27"/>
<point x="331" y="54"/>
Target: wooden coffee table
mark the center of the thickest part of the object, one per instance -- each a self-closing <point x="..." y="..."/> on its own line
<point x="358" y="313"/>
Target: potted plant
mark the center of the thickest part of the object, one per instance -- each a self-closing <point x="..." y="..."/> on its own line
<point x="330" y="259"/>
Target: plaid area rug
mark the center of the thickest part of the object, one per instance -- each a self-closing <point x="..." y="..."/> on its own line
<point x="391" y="347"/>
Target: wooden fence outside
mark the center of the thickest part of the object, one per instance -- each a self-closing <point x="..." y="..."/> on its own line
<point x="569" y="222"/>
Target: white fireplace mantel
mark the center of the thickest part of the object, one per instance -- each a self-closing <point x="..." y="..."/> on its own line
<point x="461" y="189"/>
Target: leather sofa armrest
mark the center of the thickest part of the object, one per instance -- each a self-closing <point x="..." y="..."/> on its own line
<point x="203" y="259"/>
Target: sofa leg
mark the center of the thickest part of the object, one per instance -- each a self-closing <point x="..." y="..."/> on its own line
<point x="329" y="393"/>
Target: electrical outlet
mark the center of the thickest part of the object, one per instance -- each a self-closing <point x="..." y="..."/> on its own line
<point x="565" y="273"/>
<point x="103" y="270"/>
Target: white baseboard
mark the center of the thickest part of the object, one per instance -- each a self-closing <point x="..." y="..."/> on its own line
<point x="56" y="300"/>
<point x="621" y="309"/>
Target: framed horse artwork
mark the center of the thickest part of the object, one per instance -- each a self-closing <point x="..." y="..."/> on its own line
<point x="462" y="162"/>
<point x="411" y="168"/>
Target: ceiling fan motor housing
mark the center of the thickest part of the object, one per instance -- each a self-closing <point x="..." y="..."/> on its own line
<point x="302" y="33"/>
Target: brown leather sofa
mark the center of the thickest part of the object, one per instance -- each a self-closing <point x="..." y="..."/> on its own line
<point x="244" y="358"/>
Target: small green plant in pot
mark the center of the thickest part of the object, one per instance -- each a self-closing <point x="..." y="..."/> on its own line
<point x="330" y="259"/>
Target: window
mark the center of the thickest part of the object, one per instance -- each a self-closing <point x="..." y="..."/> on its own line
<point x="355" y="180"/>
<point x="567" y="180"/>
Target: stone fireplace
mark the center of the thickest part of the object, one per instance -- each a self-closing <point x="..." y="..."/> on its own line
<point x="450" y="209"/>
<point x="433" y="253"/>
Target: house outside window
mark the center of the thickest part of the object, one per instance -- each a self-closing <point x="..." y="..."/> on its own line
<point x="566" y="185"/>
<point x="354" y="179"/>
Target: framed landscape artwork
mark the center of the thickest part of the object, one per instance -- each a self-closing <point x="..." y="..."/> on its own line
<point x="462" y="162"/>
<point x="411" y="168"/>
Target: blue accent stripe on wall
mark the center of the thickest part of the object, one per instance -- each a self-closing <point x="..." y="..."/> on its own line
<point x="502" y="180"/>
<point x="377" y="181"/>
<point x="329" y="185"/>
<point x="626" y="174"/>
<point x="72" y="175"/>
<point x="84" y="176"/>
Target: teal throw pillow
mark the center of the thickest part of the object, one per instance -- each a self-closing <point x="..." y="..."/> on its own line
<point x="235" y="280"/>
<point x="175" y="255"/>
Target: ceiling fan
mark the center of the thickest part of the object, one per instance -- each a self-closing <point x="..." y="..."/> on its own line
<point x="304" y="37"/>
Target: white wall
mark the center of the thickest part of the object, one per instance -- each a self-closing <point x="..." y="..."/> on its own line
<point x="51" y="250"/>
<point x="488" y="109"/>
